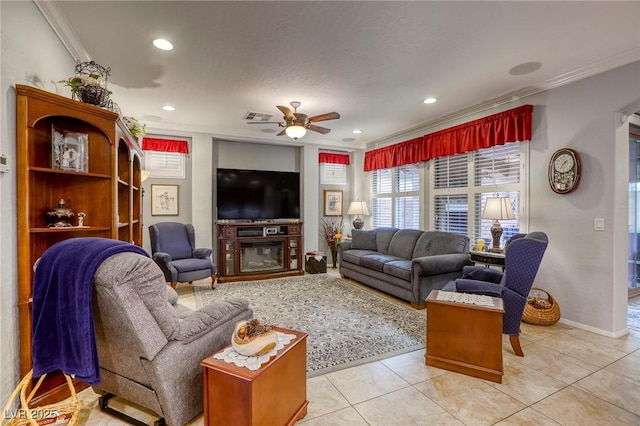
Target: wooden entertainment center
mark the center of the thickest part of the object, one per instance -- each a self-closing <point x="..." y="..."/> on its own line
<point x="259" y="250"/>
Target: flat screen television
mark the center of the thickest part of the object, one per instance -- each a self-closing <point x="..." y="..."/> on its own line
<point x="257" y="195"/>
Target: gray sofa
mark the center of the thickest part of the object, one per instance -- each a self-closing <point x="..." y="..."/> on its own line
<point x="406" y="263"/>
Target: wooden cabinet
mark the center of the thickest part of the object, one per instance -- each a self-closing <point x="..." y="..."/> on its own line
<point x="250" y="251"/>
<point x="465" y="338"/>
<point x="129" y="186"/>
<point x="106" y="188"/>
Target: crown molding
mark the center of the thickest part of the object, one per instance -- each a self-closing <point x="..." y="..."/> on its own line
<point x="606" y="64"/>
<point x="60" y="25"/>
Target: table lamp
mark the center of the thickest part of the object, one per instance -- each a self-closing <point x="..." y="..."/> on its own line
<point x="497" y="208"/>
<point x="358" y="208"/>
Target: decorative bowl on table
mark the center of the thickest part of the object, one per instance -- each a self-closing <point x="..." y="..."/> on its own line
<point x="251" y="338"/>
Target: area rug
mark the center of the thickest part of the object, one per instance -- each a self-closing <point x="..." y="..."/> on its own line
<point x="633" y="317"/>
<point x="347" y="325"/>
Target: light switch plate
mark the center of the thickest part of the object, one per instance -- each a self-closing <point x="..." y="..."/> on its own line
<point x="598" y="224"/>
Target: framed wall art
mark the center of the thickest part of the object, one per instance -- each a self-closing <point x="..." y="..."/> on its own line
<point x="164" y="200"/>
<point x="332" y="202"/>
<point x="70" y="150"/>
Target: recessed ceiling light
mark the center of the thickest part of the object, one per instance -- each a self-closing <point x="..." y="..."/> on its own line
<point x="430" y="100"/>
<point x="163" y="44"/>
<point x="357" y="132"/>
<point x="169" y="108"/>
<point x="525" y="68"/>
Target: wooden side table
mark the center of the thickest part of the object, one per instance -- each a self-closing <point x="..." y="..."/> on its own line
<point x="487" y="258"/>
<point x="465" y="338"/>
<point x="275" y="394"/>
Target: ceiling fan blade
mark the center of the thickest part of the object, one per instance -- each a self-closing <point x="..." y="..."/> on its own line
<point x="287" y="112"/>
<point x="324" y="117"/>
<point x="283" y="132"/>
<point x="264" y="122"/>
<point x="318" y="129"/>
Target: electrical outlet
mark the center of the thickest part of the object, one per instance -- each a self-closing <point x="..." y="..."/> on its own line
<point x="598" y="224"/>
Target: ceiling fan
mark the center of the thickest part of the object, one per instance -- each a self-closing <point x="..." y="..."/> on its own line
<point x="296" y="124"/>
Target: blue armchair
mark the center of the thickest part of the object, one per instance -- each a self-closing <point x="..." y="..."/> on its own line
<point x="173" y="249"/>
<point x="523" y="255"/>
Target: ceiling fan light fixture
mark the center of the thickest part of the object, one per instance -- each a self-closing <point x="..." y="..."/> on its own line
<point x="296" y="131"/>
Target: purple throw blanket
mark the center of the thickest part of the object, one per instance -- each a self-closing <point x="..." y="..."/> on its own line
<point x="62" y="319"/>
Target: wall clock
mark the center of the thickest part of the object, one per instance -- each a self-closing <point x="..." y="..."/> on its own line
<point x="564" y="171"/>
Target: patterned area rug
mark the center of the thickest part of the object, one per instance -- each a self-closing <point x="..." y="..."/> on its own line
<point x="347" y="325"/>
<point x="633" y="317"/>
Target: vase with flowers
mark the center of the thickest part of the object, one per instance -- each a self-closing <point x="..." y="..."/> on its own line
<point x="332" y="233"/>
<point x="89" y="85"/>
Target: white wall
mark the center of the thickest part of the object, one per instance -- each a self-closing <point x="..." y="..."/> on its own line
<point x="29" y="47"/>
<point x="582" y="267"/>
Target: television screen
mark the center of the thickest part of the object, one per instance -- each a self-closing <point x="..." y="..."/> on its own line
<point x="258" y="194"/>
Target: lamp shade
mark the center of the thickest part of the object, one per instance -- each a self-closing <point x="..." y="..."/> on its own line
<point x="358" y="208"/>
<point x="144" y="174"/>
<point x="498" y="208"/>
<point x="295" y="131"/>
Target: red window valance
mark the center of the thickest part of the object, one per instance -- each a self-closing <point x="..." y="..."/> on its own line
<point x="334" y="158"/>
<point x="497" y="129"/>
<point x="165" y="145"/>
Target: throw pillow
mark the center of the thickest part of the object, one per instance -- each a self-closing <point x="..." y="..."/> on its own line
<point x="364" y="240"/>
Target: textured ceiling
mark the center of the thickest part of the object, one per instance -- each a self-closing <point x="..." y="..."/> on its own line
<point x="373" y="62"/>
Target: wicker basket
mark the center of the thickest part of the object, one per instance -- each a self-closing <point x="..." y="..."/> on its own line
<point x="65" y="412"/>
<point x="541" y="316"/>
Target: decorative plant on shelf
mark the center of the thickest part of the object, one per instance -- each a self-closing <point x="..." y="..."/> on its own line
<point x="136" y="128"/>
<point x="332" y="232"/>
<point x="89" y="85"/>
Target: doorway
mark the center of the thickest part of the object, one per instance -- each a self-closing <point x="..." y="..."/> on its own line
<point x="633" y="281"/>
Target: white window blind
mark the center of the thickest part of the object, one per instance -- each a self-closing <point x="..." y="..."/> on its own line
<point x="497" y="165"/>
<point x="463" y="182"/>
<point x="335" y="174"/>
<point x="165" y="164"/>
<point x="451" y="213"/>
<point x="396" y="197"/>
<point x="451" y="172"/>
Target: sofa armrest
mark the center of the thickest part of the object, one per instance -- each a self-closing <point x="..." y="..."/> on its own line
<point x="162" y="257"/>
<point x="478" y="287"/>
<point x="344" y="245"/>
<point x="202" y="253"/>
<point x="427" y="266"/>
<point x="208" y="317"/>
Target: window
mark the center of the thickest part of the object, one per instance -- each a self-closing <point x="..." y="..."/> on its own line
<point x="463" y="182"/>
<point x="164" y="164"/>
<point x="335" y="174"/>
<point x="396" y="197"/>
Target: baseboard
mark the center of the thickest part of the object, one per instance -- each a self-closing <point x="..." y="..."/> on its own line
<point x="581" y="326"/>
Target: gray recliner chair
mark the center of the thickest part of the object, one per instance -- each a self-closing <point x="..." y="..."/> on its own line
<point x="149" y="346"/>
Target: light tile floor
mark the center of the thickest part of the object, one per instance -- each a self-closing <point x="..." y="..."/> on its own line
<point x="567" y="376"/>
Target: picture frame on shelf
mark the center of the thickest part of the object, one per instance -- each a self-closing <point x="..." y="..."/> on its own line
<point x="70" y="150"/>
<point x="332" y="202"/>
<point x="165" y="200"/>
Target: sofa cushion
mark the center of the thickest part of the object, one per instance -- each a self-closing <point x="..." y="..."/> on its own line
<point x="437" y="242"/>
<point x="365" y="240"/>
<point x="403" y="243"/>
<point x="399" y="269"/>
<point x="376" y="261"/>
<point x="383" y="239"/>
<point x="354" y="256"/>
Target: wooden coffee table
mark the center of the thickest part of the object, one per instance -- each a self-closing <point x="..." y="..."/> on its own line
<point x="275" y="394"/>
<point x="465" y="338"/>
